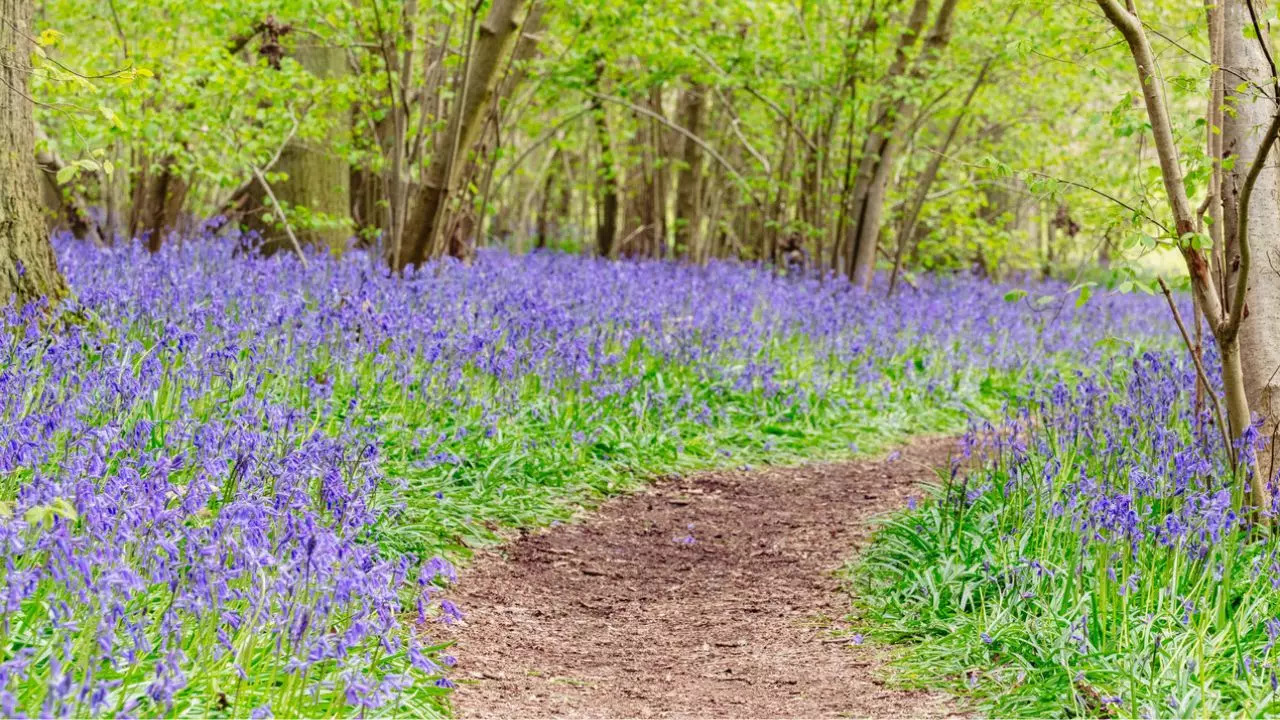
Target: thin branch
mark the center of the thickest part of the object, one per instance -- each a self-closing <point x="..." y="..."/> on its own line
<point x="735" y="122"/>
<point x="1204" y="377"/>
<point x="1102" y="194"/>
<point x="1262" y="42"/>
<point x="275" y="204"/>
<point x="777" y="110"/>
<point x="545" y="137"/>
<point x="746" y="186"/>
<point x="238" y="196"/>
<point x="115" y="20"/>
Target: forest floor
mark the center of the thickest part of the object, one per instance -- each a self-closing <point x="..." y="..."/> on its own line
<point x="710" y="595"/>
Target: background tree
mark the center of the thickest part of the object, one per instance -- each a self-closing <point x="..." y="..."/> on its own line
<point x="910" y="134"/>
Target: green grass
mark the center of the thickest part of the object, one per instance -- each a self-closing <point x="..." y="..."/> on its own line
<point x="566" y="450"/>
<point x="1106" y="567"/>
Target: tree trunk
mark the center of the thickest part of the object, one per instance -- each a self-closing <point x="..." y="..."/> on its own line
<point x="873" y="146"/>
<point x="159" y="194"/>
<point x="1225" y="321"/>
<point x="1243" y="129"/>
<point x="689" y="182"/>
<point x="778" y="214"/>
<point x="28" y="268"/>
<point x="659" y="135"/>
<point x="497" y="35"/>
<point x="639" y="222"/>
<point x="880" y="152"/>
<point x="606" y="174"/>
<point x="542" y="230"/>
<point x="316" y="178"/>
<point x="924" y="182"/>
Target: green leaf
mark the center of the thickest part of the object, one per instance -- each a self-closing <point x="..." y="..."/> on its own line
<point x="1086" y="291"/>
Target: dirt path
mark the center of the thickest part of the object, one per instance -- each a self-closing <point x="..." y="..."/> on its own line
<point x="707" y="596"/>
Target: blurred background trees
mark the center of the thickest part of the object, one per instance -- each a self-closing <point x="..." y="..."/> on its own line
<point x="902" y="135"/>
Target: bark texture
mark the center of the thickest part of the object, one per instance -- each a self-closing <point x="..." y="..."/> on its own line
<point x="28" y="267"/>
<point x="316" y="177"/>
<point x="1243" y="131"/>
<point x="497" y="35"/>
<point x="689" y="181"/>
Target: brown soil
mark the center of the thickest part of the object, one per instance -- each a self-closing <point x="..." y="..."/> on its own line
<point x="622" y="616"/>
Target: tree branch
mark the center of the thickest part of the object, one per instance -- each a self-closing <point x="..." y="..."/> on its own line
<point x="1195" y="358"/>
<point x="1130" y="28"/>
<point x="257" y="174"/>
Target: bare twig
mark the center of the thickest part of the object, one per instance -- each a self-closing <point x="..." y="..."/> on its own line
<point x="240" y="194"/>
<point x="293" y="239"/>
<point x="1200" y="373"/>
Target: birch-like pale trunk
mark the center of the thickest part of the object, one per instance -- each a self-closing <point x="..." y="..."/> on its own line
<point x="1250" y="95"/>
<point x="1225" y="318"/>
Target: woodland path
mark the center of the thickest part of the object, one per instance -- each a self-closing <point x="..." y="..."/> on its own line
<point x="622" y="616"/>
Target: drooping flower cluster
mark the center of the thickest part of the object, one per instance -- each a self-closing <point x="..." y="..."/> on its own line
<point x="226" y="479"/>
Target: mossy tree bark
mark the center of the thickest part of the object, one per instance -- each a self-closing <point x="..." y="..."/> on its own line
<point x="28" y="267"/>
<point x="317" y="177"/>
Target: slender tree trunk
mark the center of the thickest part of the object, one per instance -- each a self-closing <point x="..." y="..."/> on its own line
<point x="606" y="173"/>
<point x="542" y="229"/>
<point x="1213" y="144"/>
<point x="1226" y="322"/>
<point x="28" y="267"/>
<point x="497" y="35"/>
<point x="1243" y="130"/>
<point x="661" y="153"/>
<point x="639" y="223"/>
<point x="873" y="145"/>
<point x="884" y="145"/>
<point x="397" y="181"/>
<point x="926" y="179"/>
<point x="1235" y="383"/>
<point x="716" y="208"/>
<point x="689" y="183"/>
<point x="777" y="223"/>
